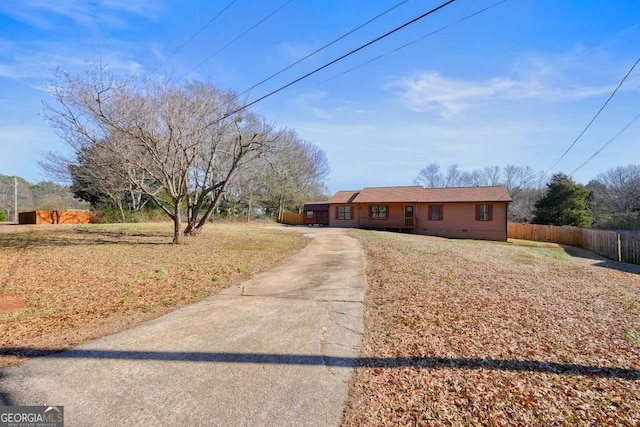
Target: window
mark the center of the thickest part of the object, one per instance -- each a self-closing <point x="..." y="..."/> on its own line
<point x="378" y="211"/>
<point x="436" y="213"/>
<point x="484" y="213"/>
<point x="345" y="212"/>
<point x="310" y="214"/>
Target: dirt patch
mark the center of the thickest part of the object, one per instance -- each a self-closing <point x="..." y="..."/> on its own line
<point x="11" y="302"/>
<point x="484" y="333"/>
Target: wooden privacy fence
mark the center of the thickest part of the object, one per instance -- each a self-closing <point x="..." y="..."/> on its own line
<point x="291" y="218"/>
<point x="55" y="217"/>
<point x="603" y="242"/>
<point x="617" y="245"/>
<point x="545" y="233"/>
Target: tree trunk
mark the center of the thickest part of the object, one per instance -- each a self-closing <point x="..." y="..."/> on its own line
<point x="218" y="193"/>
<point x="120" y="208"/>
<point x="177" y="219"/>
<point x="212" y="206"/>
<point x="281" y="208"/>
<point x="250" y="202"/>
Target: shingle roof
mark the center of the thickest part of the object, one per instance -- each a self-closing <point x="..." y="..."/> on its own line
<point x="389" y="194"/>
<point x="316" y="206"/>
<point x="417" y="193"/>
<point x="497" y="193"/>
<point x="343" y="197"/>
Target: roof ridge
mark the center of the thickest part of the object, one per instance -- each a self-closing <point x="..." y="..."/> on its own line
<point x="396" y="186"/>
<point x="465" y="186"/>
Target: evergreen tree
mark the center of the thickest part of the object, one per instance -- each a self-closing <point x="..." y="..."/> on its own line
<point x="565" y="203"/>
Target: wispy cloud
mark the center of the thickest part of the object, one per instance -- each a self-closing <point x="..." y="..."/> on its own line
<point x="296" y="50"/>
<point x="42" y="13"/>
<point x="431" y="91"/>
<point x="568" y="77"/>
<point x="313" y="103"/>
<point x="158" y="51"/>
<point x="448" y="96"/>
<point x="35" y="60"/>
<point x="146" y="8"/>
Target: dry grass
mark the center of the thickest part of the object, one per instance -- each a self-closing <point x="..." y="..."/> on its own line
<point x="484" y="333"/>
<point x="81" y="282"/>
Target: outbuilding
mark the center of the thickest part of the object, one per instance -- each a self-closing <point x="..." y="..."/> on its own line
<point x="316" y="213"/>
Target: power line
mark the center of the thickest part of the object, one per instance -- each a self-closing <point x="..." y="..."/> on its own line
<point x="599" y="150"/>
<point x="410" y="43"/>
<point x="594" y="117"/>
<point x="237" y="38"/>
<point x="193" y="36"/>
<point x="414" y="41"/>
<point x="325" y="46"/>
<point x="340" y="58"/>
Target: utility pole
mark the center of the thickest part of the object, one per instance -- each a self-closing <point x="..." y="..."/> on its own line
<point x="15" y="199"/>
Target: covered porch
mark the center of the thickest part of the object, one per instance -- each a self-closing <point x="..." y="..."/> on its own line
<point x="389" y="217"/>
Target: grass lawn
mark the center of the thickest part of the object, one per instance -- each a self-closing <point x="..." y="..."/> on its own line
<point x="463" y="332"/>
<point x="64" y="285"/>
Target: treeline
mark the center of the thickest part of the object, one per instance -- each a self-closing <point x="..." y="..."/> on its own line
<point x="523" y="183"/>
<point x="609" y="201"/>
<point x="43" y="195"/>
<point x="189" y="149"/>
<point x="615" y="198"/>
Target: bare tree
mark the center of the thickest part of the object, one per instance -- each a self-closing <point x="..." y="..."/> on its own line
<point x="165" y="139"/>
<point x="473" y="178"/>
<point x="293" y="172"/>
<point x="453" y="176"/>
<point x="492" y="175"/>
<point x="517" y="178"/>
<point x="6" y="194"/>
<point x="512" y="176"/>
<point x="215" y="168"/>
<point x="524" y="203"/>
<point x="430" y="176"/>
<point x="615" y="201"/>
<point x="623" y="187"/>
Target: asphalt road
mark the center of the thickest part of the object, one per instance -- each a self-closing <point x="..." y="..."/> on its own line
<point x="276" y="350"/>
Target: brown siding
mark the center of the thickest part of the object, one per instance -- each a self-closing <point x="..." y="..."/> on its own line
<point x="459" y="221"/>
<point x="333" y="216"/>
<point x="395" y="218"/>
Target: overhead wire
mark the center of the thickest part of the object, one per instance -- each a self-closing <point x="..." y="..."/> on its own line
<point x="599" y="150"/>
<point x="208" y="58"/>
<point x="544" y="174"/>
<point x="340" y="58"/>
<point x="413" y="41"/>
<point x="193" y="36"/>
<point x="593" y="118"/>
<point x="348" y="33"/>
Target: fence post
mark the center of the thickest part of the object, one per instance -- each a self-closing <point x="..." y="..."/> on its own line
<point x="619" y="247"/>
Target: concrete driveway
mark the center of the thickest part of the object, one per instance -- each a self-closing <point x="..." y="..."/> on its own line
<point x="276" y="350"/>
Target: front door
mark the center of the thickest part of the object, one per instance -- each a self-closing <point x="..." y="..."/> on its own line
<point x="408" y="215"/>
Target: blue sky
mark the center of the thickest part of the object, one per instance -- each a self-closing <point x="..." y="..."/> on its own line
<point x="513" y="85"/>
